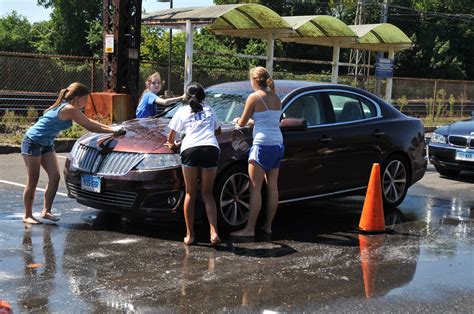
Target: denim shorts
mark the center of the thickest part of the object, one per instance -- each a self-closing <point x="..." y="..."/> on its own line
<point x="200" y="156"/>
<point x="267" y="156"/>
<point x="30" y="148"/>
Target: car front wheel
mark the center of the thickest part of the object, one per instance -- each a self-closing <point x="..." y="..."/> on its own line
<point x="395" y="182"/>
<point x="232" y="196"/>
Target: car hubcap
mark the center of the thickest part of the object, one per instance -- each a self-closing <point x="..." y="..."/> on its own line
<point x="394" y="181"/>
<point x="234" y="199"/>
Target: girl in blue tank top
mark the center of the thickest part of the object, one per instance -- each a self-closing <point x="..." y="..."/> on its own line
<point x="266" y="153"/>
<point x="38" y="151"/>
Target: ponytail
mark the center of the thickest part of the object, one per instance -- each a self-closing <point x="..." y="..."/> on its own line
<point x="270" y="84"/>
<point x="74" y="90"/>
<point x="194" y="104"/>
<point x="194" y="97"/>
<point x="59" y="100"/>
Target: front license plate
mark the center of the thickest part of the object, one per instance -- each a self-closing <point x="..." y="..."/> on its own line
<point x="465" y="155"/>
<point x="90" y="183"/>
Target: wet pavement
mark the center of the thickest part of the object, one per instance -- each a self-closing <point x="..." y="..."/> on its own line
<point x="314" y="261"/>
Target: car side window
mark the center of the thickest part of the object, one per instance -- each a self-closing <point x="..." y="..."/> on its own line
<point x="309" y="107"/>
<point x="368" y="108"/>
<point x="348" y="107"/>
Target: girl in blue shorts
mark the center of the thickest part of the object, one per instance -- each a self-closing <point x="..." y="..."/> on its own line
<point x="266" y="153"/>
<point x="38" y="150"/>
<point x="199" y="150"/>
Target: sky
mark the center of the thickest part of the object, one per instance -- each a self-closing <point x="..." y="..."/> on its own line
<point x="34" y="13"/>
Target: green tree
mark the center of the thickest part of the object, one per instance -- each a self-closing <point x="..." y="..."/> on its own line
<point x="15" y="33"/>
<point x="441" y="34"/>
<point x="42" y="37"/>
<point x="71" y="24"/>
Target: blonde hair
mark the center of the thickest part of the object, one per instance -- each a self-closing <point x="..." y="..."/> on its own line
<point x="76" y="89"/>
<point x="148" y="81"/>
<point x="262" y="77"/>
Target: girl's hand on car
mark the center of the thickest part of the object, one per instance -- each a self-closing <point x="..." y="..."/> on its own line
<point x="119" y="131"/>
<point x="173" y="146"/>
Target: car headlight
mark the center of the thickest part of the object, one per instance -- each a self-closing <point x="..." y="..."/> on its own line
<point x="158" y="161"/>
<point x="438" y="138"/>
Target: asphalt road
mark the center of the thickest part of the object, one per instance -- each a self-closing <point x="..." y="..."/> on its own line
<point x="314" y="261"/>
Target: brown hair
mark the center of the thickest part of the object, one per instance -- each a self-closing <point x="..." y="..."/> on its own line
<point x="262" y="77"/>
<point x="67" y="94"/>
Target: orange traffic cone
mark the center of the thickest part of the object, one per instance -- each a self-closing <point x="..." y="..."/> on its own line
<point x="372" y="219"/>
<point x="369" y="257"/>
<point x="5" y="307"/>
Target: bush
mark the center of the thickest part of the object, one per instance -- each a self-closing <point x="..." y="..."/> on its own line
<point x="10" y="121"/>
<point x="31" y="114"/>
<point x="75" y="131"/>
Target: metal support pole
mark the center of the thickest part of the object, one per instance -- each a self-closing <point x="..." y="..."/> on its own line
<point x="383" y="19"/>
<point x="335" y="62"/>
<point x="168" y="92"/>
<point x="388" y="88"/>
<point x="270" y="48"/>
<point x="188" y="60"/>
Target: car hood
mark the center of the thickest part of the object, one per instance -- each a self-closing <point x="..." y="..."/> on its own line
<point x="459" y="128"/>
<point x="144" y="136"/>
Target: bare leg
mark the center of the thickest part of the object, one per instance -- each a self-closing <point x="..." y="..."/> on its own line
<point x="49" y="162"/>
<point x="207" y="184"/>
<point x="33" y="164"/>
<point x="257" y="175"/>
<point x="190" y="180"/>
<point x="272" y="199"/>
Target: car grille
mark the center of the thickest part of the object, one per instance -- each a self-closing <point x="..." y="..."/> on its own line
<point x="457" y="140"/>
<point x="113" y="198"/>
<point x="114" y="163"/>
<point x="119" y="163"/>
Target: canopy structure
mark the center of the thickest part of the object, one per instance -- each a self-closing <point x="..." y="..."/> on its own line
<point x="380" y="37"/>
<point x="256" y="21"/>
<point x="242" y="20"/>
<point x="323" y="30"/>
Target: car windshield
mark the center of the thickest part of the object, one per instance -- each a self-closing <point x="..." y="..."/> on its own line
<point x="226" y="105"/>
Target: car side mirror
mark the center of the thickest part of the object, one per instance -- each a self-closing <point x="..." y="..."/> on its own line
<point x="293" y="124"/>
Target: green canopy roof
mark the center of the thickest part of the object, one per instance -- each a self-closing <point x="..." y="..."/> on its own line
<point x="243" y="20"/>
<point x="322" y="30"/>
<point x="379" y="37"/>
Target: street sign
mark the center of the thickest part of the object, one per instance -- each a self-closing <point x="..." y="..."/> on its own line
<point x="384" y="68"/>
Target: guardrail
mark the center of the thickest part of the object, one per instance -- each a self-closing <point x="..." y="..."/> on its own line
<point x="20" y="102"/>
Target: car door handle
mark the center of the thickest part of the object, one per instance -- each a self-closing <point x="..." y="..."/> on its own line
<point x="377" y="132"/>
<point x="325" y="139"/>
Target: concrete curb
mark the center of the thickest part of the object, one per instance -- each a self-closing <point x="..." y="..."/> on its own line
<point x="63" y="145"/>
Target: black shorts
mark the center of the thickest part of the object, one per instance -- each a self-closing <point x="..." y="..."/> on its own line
<point x="200" y="156"/>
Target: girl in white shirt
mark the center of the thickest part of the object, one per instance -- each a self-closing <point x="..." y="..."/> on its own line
<point x="199" y="149"/>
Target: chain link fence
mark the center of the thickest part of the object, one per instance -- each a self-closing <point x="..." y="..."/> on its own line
<point x="30" y="83"/>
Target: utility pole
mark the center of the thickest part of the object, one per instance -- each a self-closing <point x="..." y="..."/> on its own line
<point x="357" y="57"/>
<point x="122" y="22"/>
<point x="380" y="54"/>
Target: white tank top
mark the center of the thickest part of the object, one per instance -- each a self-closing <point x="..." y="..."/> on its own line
<point x="266" y="130"/>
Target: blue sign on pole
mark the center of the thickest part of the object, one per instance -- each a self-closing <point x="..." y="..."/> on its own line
<point x="384" y="68"/>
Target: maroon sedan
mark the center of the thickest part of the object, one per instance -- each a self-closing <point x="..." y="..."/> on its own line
<point x="332" y="133"/>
